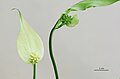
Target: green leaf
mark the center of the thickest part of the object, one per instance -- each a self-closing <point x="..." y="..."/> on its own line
<point x="83" y="5"/>
<point x="29" y="44"/>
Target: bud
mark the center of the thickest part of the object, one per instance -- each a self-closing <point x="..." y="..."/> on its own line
<point x="74" y="21"/>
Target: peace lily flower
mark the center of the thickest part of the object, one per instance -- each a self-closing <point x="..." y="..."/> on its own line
<point x="29" y="44"/>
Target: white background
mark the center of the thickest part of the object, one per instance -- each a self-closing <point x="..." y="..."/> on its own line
<point x="93" y="43"/>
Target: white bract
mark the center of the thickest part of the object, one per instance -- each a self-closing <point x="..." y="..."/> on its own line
<point x="29" y="44"/>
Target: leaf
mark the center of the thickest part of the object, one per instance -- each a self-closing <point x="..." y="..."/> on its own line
<point x="29" y="44"/>
<point x="83" y="5"/>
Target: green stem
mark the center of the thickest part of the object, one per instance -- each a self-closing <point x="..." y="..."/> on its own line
<point x="51" y="54"/>
<point x="34" y="71"/>
<point x="58" y="23"/>
<point x="51" y="50"/>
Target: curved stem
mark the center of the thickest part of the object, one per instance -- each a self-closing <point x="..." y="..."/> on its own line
<point x="51" y="53"/>
<point x="34" y="71"/>
<point x="58" y="23"/>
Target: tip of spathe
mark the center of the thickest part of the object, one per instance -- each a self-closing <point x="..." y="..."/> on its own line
<point x="15" y="9"/>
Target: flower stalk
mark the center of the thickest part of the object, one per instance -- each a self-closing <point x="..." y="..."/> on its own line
<point x="34" y="71"/>
<point x="51" y="51"/>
